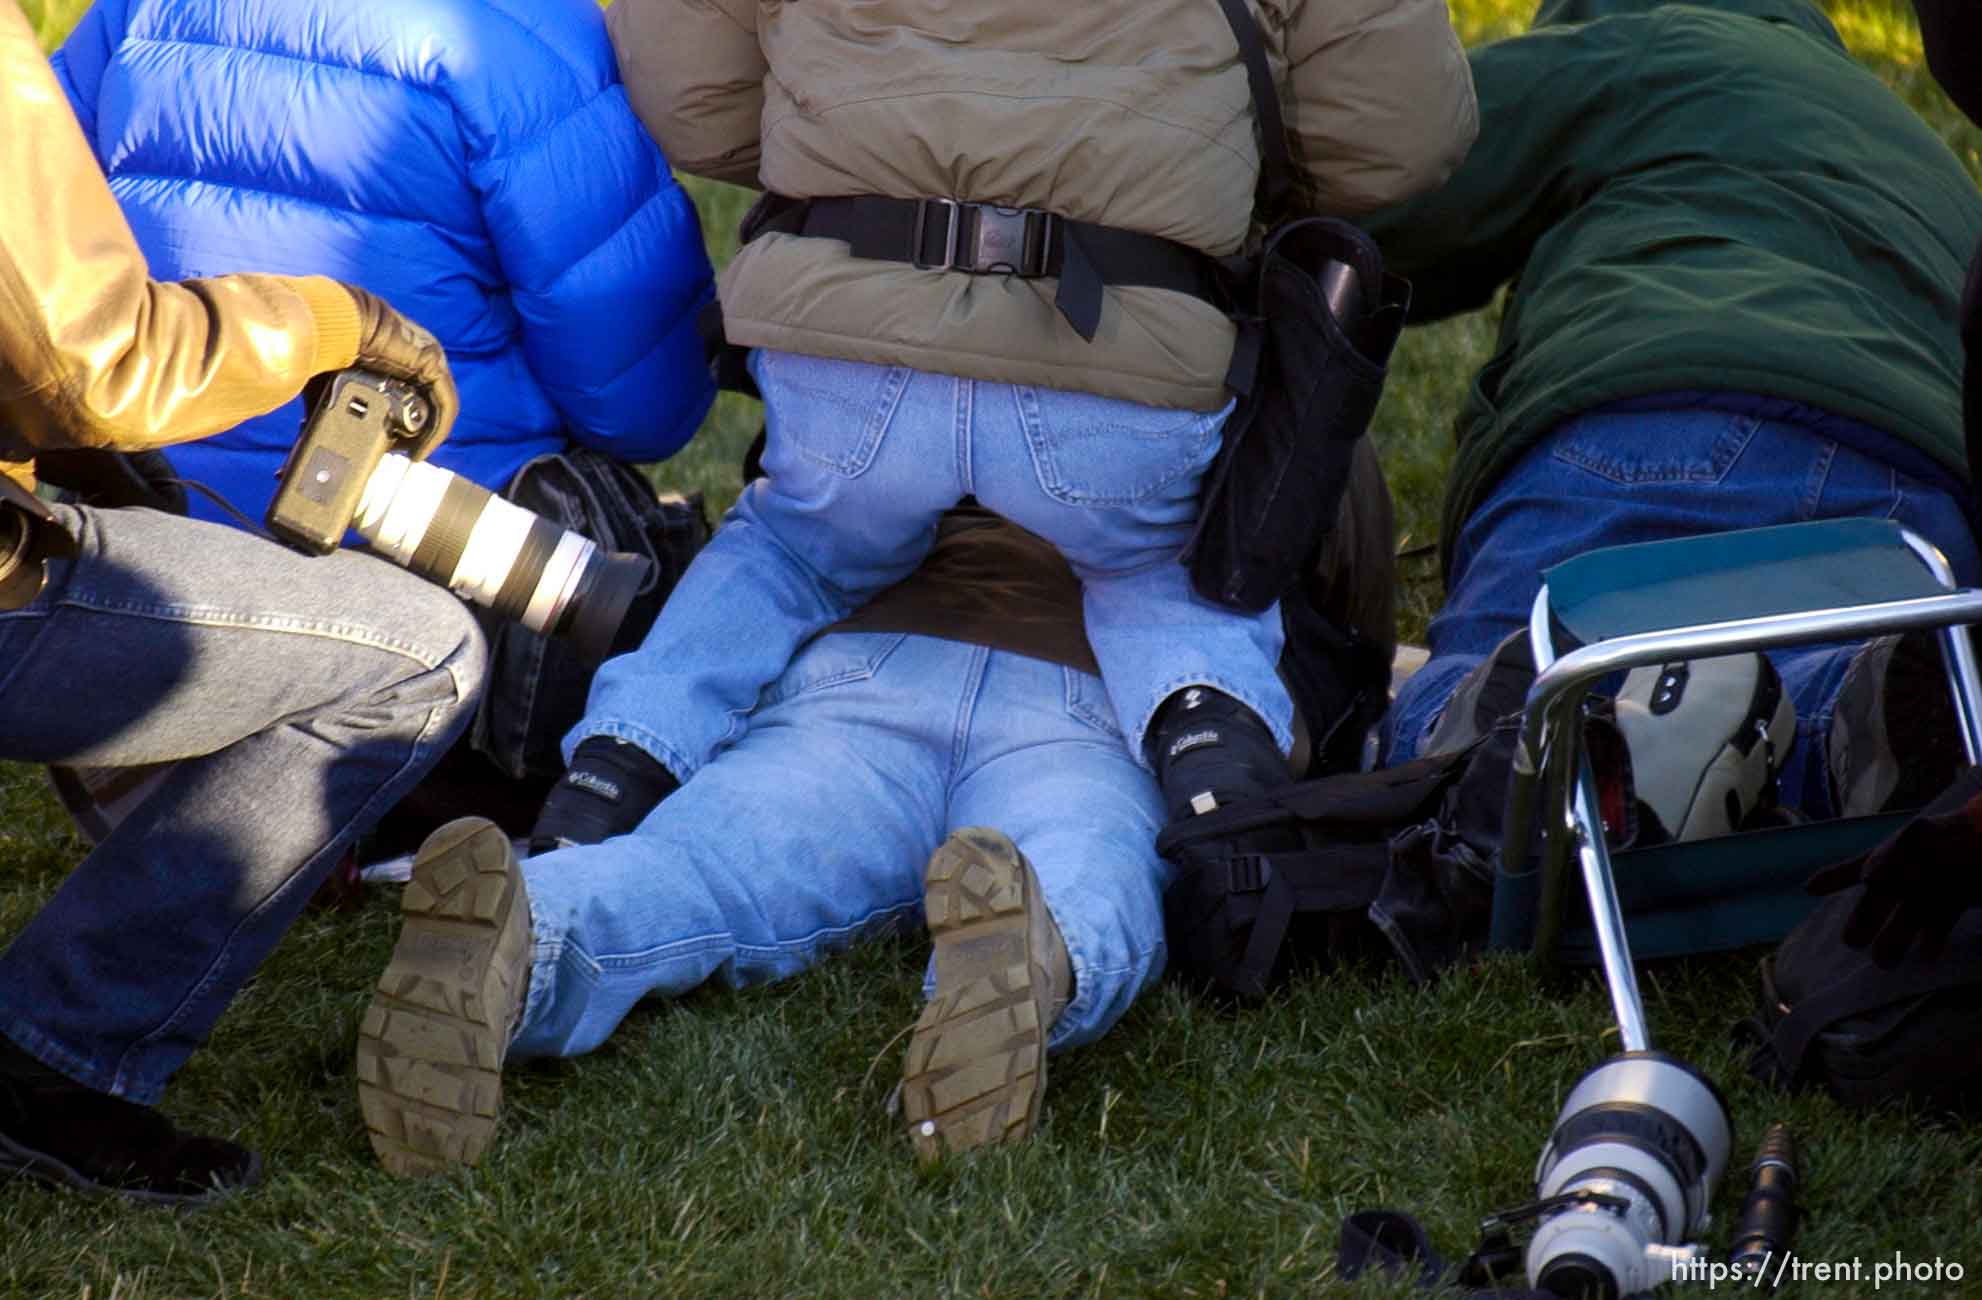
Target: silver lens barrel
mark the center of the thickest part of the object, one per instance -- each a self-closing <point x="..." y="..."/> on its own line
<point x="1645" y="1138"/>
<point x="453" y="531"/>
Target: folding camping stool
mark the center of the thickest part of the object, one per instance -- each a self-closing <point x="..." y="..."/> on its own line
<point x="1622" y="607"/>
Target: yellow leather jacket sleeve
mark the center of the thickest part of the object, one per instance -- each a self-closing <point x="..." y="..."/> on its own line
<point x="93" y="352"/>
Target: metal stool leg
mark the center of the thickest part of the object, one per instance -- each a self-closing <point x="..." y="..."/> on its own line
<point x="1607" y="914"/>
<point x="1565" y="757"/>
<point x="1957" y="652"/>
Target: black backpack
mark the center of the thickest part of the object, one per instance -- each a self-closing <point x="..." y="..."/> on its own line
<point x="1392" y="863"/>
<point x="1831" y="1017"/>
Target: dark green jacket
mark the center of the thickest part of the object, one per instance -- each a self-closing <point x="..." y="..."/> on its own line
<point x="1694" y="196"/>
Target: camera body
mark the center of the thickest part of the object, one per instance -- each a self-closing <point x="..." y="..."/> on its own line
<point x="354" y="422"/>
<point x="345" y="472"/>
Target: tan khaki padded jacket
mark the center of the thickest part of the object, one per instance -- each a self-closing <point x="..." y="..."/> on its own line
<point x="94" y="353"/>
<point x="1129" y="115"/>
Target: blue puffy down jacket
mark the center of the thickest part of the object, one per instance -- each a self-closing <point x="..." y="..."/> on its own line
<point x="473" y="162"/>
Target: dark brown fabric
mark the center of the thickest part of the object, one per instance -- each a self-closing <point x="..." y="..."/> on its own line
<point x="991" y="583"/>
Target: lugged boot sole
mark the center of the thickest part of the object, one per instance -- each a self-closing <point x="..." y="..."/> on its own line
<point x="431" y="1045"/>
<point x="976" y="1063"/>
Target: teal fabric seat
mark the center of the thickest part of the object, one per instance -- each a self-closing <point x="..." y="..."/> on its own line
<point x="1755" y="573"/>
<point x="1618" y="608"/>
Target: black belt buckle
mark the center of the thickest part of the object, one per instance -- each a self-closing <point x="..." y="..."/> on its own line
<point x="1248" y="873"/>
<point x="984" y="239"/>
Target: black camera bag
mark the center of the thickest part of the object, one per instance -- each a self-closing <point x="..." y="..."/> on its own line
<point x="538" y="685"/>
<point x="1393" y="863"/>
<point x="1829" y="1016"/>
<point x="1306" y="379"/>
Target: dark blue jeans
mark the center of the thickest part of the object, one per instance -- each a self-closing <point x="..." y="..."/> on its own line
<point x="293" y="699"/>
<point x="1610" y="479"/>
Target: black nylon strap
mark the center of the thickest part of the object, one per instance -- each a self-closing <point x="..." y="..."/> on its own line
<point x="1276" y="164"/>
<point x="984" y="239"/>
<point x="1387" y="798"/>
<point x="1259" y="895"/>
<point x="1857" y="992"/>
<point x="1392" y="1244"/>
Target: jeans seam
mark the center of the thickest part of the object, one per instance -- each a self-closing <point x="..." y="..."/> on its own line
<point x="1088" y="978"/>
<point x="31" y="637"/>
<point x="546" y="955"/>
<point x="973" y="685"/>
<point x="868" y="667"/>
<point x="1075" y="683"/>
<point x="874" y="429"/>
<point x="810" y="943"/>
<point x="201" y="616"/>
<point x="1565" y="447"/>
<point x="963" y="406"/>
<point x="304" y="868"/>
<point x="1820" y="474"/>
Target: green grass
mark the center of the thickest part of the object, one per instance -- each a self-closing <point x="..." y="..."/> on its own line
<point x="734" y="1143"/>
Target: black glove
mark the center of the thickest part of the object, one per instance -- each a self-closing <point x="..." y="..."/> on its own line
<point x="608" y="790"/>
<point x="1919" y="880"/>
<point x="394" y="346"/>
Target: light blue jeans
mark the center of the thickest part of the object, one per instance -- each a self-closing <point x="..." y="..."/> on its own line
<point x="1610" y="479"/>
<point x="296" y="699"/>
<point x="861" y="462"/>
<point x="813" y="829"/>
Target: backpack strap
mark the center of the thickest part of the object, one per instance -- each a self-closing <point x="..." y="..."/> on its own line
<point x="1863" y="988"/>
<point x="1276" y="164"/>
<point x="1256" y="897"/>
<point x="1385" y="799"/>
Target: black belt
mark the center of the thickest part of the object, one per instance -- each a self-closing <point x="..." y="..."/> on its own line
<point x="984" y="239"/>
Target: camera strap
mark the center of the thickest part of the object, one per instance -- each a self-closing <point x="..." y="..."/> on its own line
<point x="1392" y="1243"/>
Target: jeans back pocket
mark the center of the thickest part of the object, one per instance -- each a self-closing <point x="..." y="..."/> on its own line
<point x="833" y="413"/>
<point x="1092" y="450"/>
<point x="1676" y="446"/>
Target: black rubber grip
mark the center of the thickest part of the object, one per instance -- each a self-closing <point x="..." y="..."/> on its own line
<point x="446" y="538"/>
<point x="525" y="571"/>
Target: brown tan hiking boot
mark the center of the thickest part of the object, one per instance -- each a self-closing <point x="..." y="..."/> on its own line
<point x="430" y="1047"/>
<point x="976" y="1064"/>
